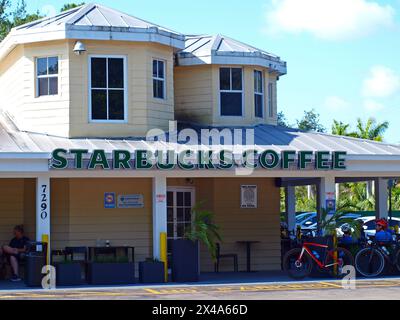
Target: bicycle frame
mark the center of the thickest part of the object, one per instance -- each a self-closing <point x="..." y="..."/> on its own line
<point x="306" y="248"/>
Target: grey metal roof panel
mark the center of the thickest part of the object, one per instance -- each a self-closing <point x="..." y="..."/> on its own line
<point x="265" y="136"/>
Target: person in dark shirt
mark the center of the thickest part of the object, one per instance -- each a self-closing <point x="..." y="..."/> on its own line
<point x="14" y="251"/>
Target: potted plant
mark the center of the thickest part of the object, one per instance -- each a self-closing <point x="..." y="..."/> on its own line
<point x="185" y="252"/>
<point x="111" y="271"/>
<point x="151" y="271"/>
<point x="68" y="273"/>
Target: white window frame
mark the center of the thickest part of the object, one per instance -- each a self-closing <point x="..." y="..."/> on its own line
<point x="159" y="79"/>
<point x="47" y="76"/>
<point x="125" y="88"/>
<point x="259" y="94"/>
<point x="230" y="91"/>
<point x="270" y="99"/>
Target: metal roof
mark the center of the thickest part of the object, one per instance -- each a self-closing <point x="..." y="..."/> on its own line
<point x="265" y="137"/>
<point x="92" y="15"/>
<point x="91" y="22"/>
<point x="219" y="49"/>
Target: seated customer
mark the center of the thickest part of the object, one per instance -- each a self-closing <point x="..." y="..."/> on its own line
<point x="14" y="251"/>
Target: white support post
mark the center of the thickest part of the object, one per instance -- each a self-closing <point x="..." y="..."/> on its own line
<point x="159" y="212"/>
<point x="290" y="199"/>
<point x="326" y="191"/>
<point x="381" y="198"/>
<point x="43" y="210"/>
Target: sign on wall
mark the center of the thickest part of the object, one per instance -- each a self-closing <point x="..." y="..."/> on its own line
<point x="109" y="200"/>
<point x="130" y="201"/>
<point x="248" y="197"/>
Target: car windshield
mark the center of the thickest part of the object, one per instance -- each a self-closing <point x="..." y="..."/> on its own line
<point x="300" y="218"/>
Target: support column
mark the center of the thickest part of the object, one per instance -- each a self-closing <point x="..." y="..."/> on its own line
<point x="290" y="200"/>
<point x="381" y="198"/>
<point x="159" y="212"/>
<point x="43" y="210"/>
<point x="326" y="191"/>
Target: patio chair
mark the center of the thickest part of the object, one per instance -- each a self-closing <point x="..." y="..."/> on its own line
<point x="220" y="256"/>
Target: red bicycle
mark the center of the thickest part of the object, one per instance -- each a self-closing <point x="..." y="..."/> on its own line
<point x="299" y="262"/>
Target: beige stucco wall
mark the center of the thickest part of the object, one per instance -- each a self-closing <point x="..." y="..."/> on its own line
<point x="236" y="224"/>
<point x="17" y="199"/>
<point x="78" y="216"/>
<point x="198" y="99"/>
<point x="144" y="111"/>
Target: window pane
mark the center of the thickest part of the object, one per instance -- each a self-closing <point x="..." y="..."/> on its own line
<point x="155" y="65"/>
<point x="99" y="104"/>
<point x="225" y="78"/>
<point x="53" y="65"/>
<point x="43" y="87"/>
<point x="188" y="214"/>
<point x="99" y="73"/>
<point x="258" y="82"/>
<point x="236" y="79"/>
<point x="179" y="196"/>
<point x="116" y="104"/>
<point x="231" y="104"/>
<point x="115" y="73"/>
<point x="170" y="199"/>
<point x="41" y="66"/>
<point x="188" y="199"/>
<point x="158" y="89"/>
<point x="170" y="214"/>
<point x="180" y="214"/>
<point x="161" y="69"/>
<point x="53" y="86"/>
<point x="258" y="102"/>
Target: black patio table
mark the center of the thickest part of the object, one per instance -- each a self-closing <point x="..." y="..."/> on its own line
<point x="95" y="251"/>
<point x="248" y="250"/>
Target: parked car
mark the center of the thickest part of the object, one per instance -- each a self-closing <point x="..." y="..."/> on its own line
<point x="305" y="220"/>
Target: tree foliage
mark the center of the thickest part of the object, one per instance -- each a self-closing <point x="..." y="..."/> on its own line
<point x="371" y="130"/>
<point x="70" y="6"/>
<point x="310" y="122"/>
<point x="10" y="19"/>
<point x="339" y="128"/>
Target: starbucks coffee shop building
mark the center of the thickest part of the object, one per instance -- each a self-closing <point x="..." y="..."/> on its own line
<point x="82" y="90"/>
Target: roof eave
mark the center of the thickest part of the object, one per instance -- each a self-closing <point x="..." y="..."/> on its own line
<point x="228" y="58"/>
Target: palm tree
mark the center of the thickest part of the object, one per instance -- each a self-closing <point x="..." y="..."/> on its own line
<point x="371" y="130"/>
<point x="339" y="128"/>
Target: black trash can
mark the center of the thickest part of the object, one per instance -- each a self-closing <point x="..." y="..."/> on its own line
<point x="34" y="263"/>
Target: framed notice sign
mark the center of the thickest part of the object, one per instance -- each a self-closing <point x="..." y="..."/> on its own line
<point x="130" y="201"/>
<point x="248" y="197"/>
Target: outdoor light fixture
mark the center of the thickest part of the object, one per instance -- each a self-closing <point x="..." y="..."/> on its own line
<point x="79" y="48"/>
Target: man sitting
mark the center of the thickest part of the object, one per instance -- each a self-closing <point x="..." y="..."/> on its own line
<point x="15" y="250"/>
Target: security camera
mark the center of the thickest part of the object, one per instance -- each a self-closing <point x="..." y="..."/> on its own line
<point x="79" y="48"/>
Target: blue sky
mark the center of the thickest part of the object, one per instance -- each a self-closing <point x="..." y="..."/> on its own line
<point x="343" y="55"/>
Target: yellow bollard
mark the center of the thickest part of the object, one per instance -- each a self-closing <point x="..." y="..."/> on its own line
<point x="164" y="253"/>
<point x="45" y="239"/>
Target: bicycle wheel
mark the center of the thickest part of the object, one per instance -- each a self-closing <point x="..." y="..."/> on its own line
<point x="295" y="267"/>
<point x="369" y="262"/>
<point x="336" y="259"/>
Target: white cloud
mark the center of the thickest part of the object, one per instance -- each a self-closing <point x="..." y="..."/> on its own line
<point x="328" y="19"/>
<point x="381" y="82"/>
<point x="373" y="106"/>
<point x="335" y="103"/>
